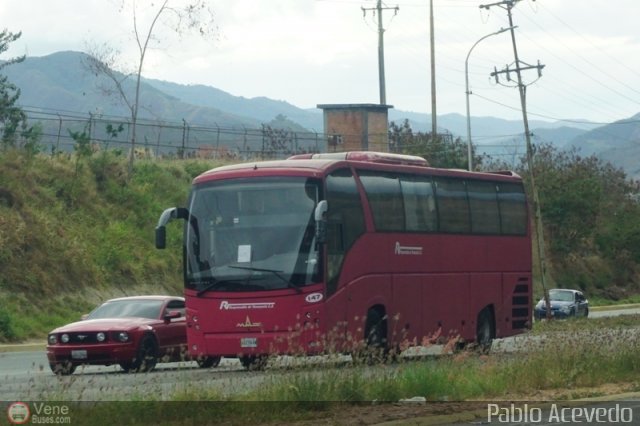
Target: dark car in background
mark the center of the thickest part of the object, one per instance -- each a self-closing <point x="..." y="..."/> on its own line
<point x="134" y="332"/>
<point x="564" y="303"/>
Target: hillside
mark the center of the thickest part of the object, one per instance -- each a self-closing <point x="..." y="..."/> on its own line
<point x="617" y="143"/>
<point x="59" y="82"/>
<point x="75" y="231"/>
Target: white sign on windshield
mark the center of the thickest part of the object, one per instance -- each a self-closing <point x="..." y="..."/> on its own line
<point x="244" y="253"/>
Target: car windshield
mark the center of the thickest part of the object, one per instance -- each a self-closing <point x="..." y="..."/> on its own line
<point x="561" y="296"/>
<point x="139" y="308"/>
<point x="252" y="234"/>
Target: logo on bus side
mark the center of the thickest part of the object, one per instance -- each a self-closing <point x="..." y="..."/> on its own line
<point x="313" y="297"/>
<point x="407" y="250"/>
<point x="224" y="305"/>
<point x="248" y="323"/>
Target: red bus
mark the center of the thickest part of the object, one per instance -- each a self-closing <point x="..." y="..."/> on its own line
<point x="325" y="252"/>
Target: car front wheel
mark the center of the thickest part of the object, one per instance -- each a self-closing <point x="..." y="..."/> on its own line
<point x="146" y="357"/>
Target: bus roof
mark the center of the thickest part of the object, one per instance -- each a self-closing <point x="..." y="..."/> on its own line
<point x="316" y="164"/>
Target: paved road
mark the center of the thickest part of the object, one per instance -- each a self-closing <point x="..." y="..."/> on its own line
<point x="613" y="312"/>
<point x="26" y="375"/>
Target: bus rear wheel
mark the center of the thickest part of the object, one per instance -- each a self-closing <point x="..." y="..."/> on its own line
<point x="485" y="331"/>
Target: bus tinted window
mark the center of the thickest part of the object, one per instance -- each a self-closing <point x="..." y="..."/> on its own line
<point x="385" y="198"/>
<point x="485" y="217"/>
<point x="419" y="204"/>
<point x="513" y="208"/>
<point x="453" y="206"/>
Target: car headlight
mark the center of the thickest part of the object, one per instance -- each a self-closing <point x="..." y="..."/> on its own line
<point x="564" y="309"/>
<point x="52" y="339"/>
<point x="100" y="337"/>
<point x="123" y="336"/>
<point x="64" y="338"/>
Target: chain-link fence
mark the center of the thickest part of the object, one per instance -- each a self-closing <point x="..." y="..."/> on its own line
<point x="163" y="139"/>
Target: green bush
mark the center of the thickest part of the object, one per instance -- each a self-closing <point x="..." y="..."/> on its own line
<point x="7" y="332"/>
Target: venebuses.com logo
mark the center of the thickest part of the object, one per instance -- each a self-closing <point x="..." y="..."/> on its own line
<point x="19" y="413"/>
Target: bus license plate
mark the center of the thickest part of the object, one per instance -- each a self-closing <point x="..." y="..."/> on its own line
<point x="79" y="354"/>
<point x="249" y="342"/>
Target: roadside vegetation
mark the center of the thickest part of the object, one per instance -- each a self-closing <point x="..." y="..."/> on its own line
<point x="565" y="360"/>
<point x="75" y="229"/>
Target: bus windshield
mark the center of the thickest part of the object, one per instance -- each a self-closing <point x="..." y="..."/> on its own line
<point x="252" y="234"/>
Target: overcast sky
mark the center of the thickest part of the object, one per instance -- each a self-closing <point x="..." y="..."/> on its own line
<point x="310" y="52"/>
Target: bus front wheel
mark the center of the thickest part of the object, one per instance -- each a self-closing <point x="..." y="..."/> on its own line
<point x="254" y="362"/>
<point x="208" y="361"/>
<point x="374" y="349"/>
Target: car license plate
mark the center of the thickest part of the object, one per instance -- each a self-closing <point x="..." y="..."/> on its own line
<point x="79" y="354"/>
<point x="249" y="342"/>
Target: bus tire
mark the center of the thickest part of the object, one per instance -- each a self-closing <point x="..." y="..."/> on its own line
<point x="374" y="349"/>
<point x="254" y="362"/>
<point x="485" y="331"/>
<point x="62" y="368"/>
<point x="208" y="361"/>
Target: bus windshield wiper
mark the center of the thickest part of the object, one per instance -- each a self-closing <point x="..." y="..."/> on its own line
<point x="213" y="283"/>
<point x="273" y="271"/>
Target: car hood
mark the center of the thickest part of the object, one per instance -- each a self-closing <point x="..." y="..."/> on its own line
<point x="554" y="304"/>
<point x="104" y="324"/>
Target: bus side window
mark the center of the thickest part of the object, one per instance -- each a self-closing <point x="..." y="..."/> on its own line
<point x="345" y="222"/>
<point x="513" y="209"/>
<point x="483" y="200"/>
<point x="453" y="205"/>
<point x="419" y="204"/>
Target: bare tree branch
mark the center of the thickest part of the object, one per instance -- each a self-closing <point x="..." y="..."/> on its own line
<point x="194" y="16"/>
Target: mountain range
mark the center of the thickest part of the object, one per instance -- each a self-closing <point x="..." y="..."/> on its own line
<point x="60" y="84"/>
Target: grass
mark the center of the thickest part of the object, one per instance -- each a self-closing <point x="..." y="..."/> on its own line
<point x="572" y="364"/>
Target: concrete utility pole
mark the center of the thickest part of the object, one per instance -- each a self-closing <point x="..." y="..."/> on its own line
<point x="434" y="118"/>
<point x="522" y="88"/>
<point x="381" y="78"/>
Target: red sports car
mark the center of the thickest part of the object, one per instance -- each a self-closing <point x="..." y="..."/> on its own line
<point x="134" y="332"/>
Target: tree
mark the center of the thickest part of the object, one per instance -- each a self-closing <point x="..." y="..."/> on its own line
<point x="441" y="151"/>
<point x="187" y="17"/>
<point x="12" y="118"/>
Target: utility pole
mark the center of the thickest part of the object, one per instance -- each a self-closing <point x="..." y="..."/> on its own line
<point x="522" y="88"/>
<point x="434" y="118"/>
<point x="381" y="78"/>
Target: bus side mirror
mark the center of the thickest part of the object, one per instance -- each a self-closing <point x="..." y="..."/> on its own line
<point x="166" y="217"/>
<point x="321" y="221"/>
<point x="161" y="237"/>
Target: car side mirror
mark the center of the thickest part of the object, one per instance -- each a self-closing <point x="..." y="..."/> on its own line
<point x="171" y="315"/>
<point x="84" y="317"/>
